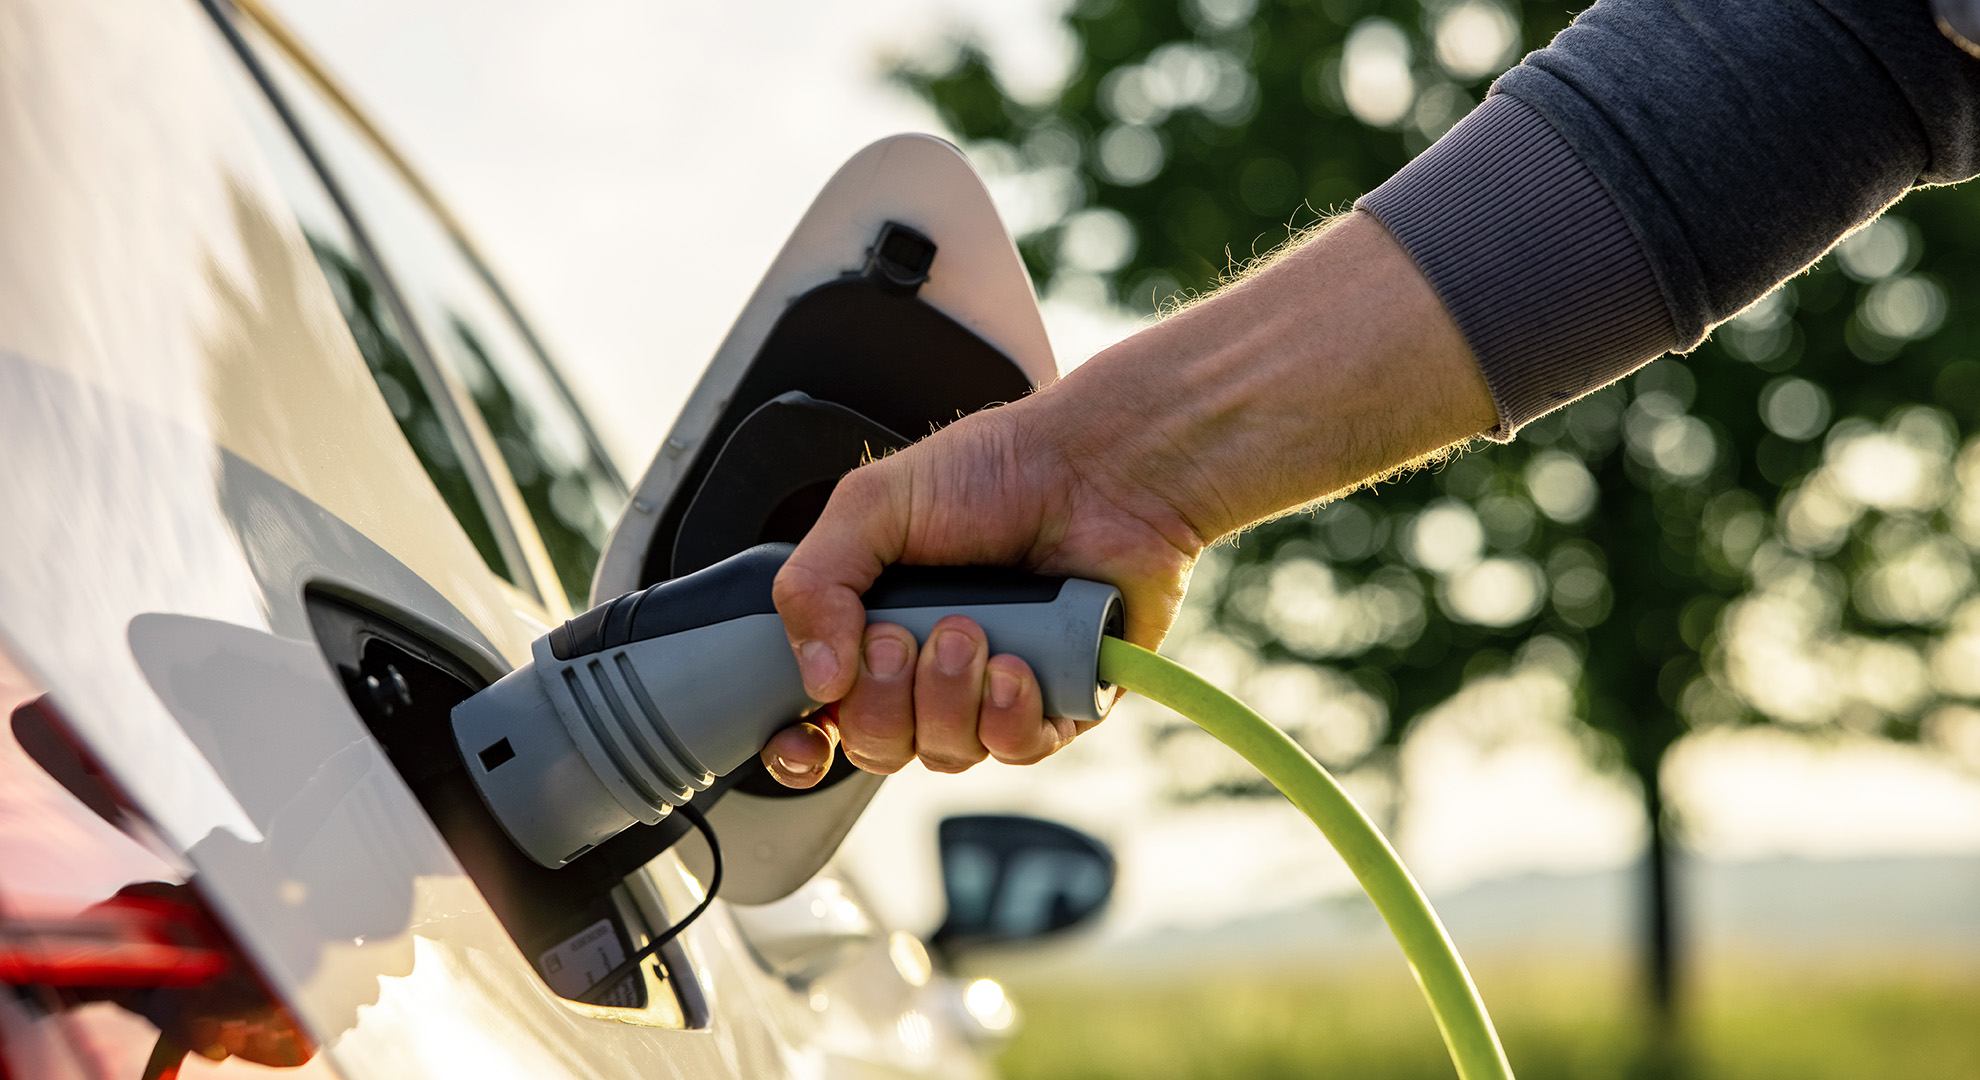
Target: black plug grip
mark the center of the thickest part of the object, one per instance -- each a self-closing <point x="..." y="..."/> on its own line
<point x="740" y="585"/>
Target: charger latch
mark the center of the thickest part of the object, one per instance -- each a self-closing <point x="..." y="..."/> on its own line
<point x="899" y="259"/>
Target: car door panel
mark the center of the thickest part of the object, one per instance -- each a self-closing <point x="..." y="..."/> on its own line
<point x="158" y="413"/>
<point x="193" y="447"/>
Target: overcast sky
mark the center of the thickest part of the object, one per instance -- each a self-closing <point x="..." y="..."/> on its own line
<point x="631" y="166"/>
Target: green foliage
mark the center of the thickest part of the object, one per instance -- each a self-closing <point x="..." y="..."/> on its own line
<point x="1212" y="128"/>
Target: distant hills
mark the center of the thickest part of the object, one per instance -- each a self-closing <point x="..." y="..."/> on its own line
<point x="1785" y="907"/>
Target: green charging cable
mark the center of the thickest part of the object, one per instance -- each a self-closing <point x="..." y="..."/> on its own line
<point x="1454" y="1001"/>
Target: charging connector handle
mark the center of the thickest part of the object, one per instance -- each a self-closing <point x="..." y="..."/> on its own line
<point x="631" y="708"/>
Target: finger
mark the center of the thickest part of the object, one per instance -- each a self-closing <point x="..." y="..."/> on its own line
<point x="876" y="720"/>
<point x="948" y="694"/>
<point x="817" y="591"/>
<point x="1013" y="727"/>
<point x="799" y="755"/>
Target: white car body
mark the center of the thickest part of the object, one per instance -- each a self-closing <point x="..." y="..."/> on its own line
<point x="194" y="452"/>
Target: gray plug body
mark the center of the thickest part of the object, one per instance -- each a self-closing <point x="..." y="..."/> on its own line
<point x="631" y="708"/>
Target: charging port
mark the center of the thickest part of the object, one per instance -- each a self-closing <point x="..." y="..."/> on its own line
<point x="574" y="924"/>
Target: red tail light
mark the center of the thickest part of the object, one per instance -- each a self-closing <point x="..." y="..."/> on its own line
<point x="127" y="942"/>
<point x="111" y="965"/>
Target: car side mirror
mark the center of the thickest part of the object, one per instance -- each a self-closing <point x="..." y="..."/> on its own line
<point x="1011" y="879"/>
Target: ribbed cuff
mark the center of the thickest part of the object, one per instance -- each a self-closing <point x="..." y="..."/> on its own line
<point x="1531" y="255"/>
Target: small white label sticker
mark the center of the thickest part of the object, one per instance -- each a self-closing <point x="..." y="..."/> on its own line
<point x="577" y="964"/>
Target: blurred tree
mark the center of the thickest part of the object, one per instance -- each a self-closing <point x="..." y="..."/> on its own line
<point x="1777" y="528"/>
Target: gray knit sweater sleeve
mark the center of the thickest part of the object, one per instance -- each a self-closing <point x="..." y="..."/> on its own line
<point x="1663" y="163"/>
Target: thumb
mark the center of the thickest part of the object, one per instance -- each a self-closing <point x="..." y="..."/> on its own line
<point x="862" y="530"/>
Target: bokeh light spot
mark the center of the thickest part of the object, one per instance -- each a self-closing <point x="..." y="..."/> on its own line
<point x="1794" y="409"/>
<point x="1476" y="39"/>
<point x="1446" y="537"/>
<point x="1375" y="75"/>
<point x="1130" y="154"/>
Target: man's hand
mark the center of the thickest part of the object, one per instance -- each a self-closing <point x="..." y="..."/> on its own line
<point x="1336" y="364"/>
<point x="1000" y="488"/>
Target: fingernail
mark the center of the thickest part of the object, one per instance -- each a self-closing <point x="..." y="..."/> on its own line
<point x="886" y="657"/>
<point x="793" y="768"/>
<point x="953" y="652"/>
<point x="819" y="665"/>
<point x="1003" y="688"/>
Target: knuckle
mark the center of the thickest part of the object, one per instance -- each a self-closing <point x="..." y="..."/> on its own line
<point x="862" y="483"/>
<point x="1027" y="737"/>
<point x="863" y="491"/>
<point x="881" y="764"/>
<point x="1007" y="747"/>
<point x="946" y="763"/>
<point x="874" y="731"/>
<point x="794" y="586"/>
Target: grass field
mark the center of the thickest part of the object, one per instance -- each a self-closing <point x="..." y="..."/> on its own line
<point x="1749" y="1020"/>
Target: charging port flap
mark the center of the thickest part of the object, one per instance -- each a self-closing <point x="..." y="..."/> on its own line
<point x="898" y="305"/>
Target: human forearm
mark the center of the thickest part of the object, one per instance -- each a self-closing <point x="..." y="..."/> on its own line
<point x="1334" y="365"/>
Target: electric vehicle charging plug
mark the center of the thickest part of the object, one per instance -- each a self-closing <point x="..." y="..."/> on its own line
<point x="628" y="710"/>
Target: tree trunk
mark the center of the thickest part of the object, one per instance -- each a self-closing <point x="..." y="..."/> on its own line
<point x="1660" y="931"/>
